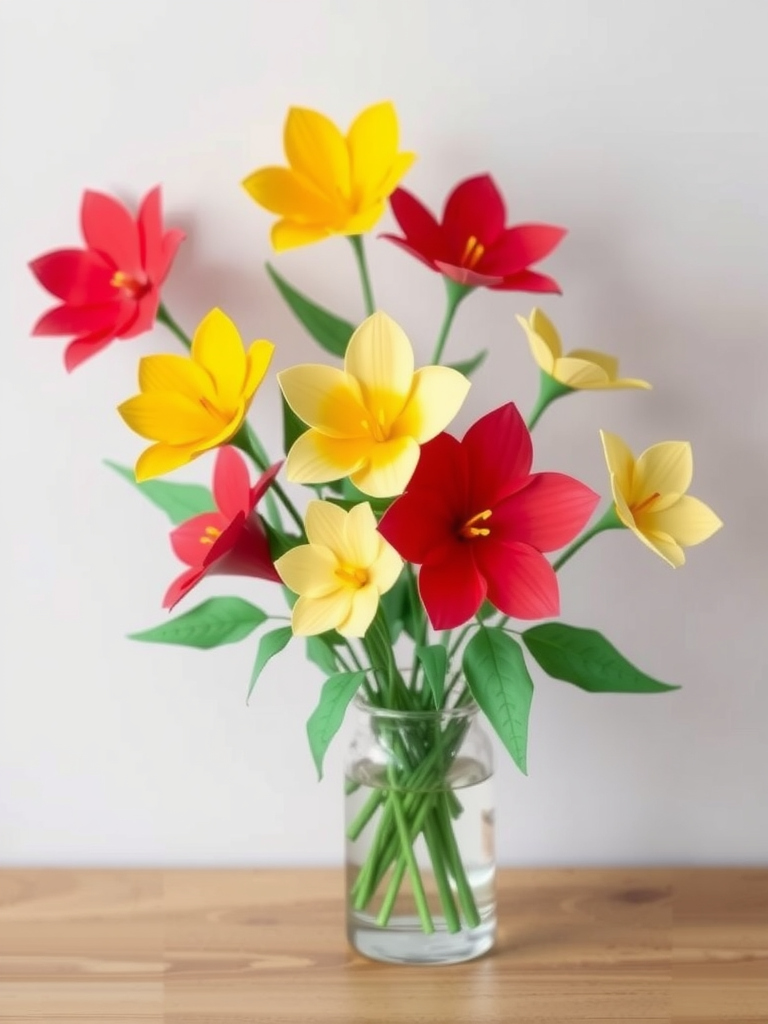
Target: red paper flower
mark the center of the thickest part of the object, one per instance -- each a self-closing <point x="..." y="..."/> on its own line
<point x="111" y="288"/>
<point x="472" y="246"/>
<point x="229" y="542"/>
<point x="477" y="520"/>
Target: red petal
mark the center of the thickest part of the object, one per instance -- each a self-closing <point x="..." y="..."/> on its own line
<point x="242" y="550"/>
<point x="421" y="230"/>
<point x="521" y="582"/>
<point x="467" y="277"/>
<point x="499" y="454"/>
<point x="109" y="228"/>
<point x="231" y="483"/>
<point x="185" y="539"/>
<point x="78" y="320"/>
<point x="475" y="209"/>
<point x="451" y="587"/>
<point x="150" y="222"/>
<point x="547" y="513"/>
<point x="263" y="484"/>
<point x="402" y="244"/>
<point x="144" y="311"/>
<point x="181" y="586"/>
<point x="520" y="247"/>
<point x="442" y="468"/>
<point x="171" y="241"/>
<point x="528" y="281"/>
<point x="416" y="524"/>
<point x="84" y="348"/>
<point x="76" y="276"/>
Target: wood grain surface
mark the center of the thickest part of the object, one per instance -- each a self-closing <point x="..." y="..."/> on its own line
<point x="268" y="947"/>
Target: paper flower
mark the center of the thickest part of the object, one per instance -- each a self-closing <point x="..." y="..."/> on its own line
<point x="368" y="420"/>
<point x="477" y="520"/>
<point x="580" y="369"/>
<point x="229" y="542"/>
<point x="335" y="185"/>
<point x="189" y="404"/>
<point x="649" y="494"/>
<point x="111" y="288"/>
<point x="472" y="245"/>
<point x="341" y="573"/>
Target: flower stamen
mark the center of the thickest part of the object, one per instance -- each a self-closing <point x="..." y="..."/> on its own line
<point x="211" y="533"/>
<point x="645" y="505"/>
<point x="473" y="253"/>
<point x="128" y="284"/>
<point x="352" y="576"/>
<point x="469" y="530"/>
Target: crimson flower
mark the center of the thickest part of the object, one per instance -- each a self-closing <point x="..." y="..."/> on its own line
<point x="111" y="288"/>
<point x="472" y="246"/>
<point x="477" y="520"/>
<point x="231" y="541"/>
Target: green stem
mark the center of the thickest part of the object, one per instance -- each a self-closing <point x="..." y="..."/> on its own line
<point x="406" y="847"/>
<point x="365" y="278"/>
<point x="454" y="293"/>
<point x="549" y="390"/>
<point x="608" y="521"/>
<point x="165" y="318"/>
<point x="466" y="897"/>
<point x="248" y="441"/>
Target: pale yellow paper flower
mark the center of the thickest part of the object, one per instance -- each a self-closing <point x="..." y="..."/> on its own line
<point x="190" y="404"/>
<point x="368" y="420"/>
<point x="581" y="369"/>
<point x="334" y="184"/>
<point x="650" y="496"/>
<point x="341" y="573"/>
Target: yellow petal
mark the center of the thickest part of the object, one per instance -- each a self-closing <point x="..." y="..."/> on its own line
<point x="400" y="167"/>
<point x="578" y="373"/>
<point x="384" y="571"/>
<point x="257" y="360"/>
<point x="664" y="468"/>
<point x="315" y="458"/>
<point x="380" y="357"/>
<point x="325" y="398"/>
<point x="437" y="394"/>
<point x="620" y="461"/>
<point x="176" y="374"/>
<point x="631" y="382"/>
<point x="361" y="539"/>
<point x="364" y="603"/>
<point x="608" y="363"/>
<point x="280" y="191"/>
<point x="622" y="508"/>
<point x="541" y="324"/>
<point x="540" y="350"/>
<point x="312" y="615"/>
<point x="325" y="523"/>
<point x="289" y="234"/>
<point x="159" y="459"/>
<point x="217" y="347"/>
<point x="689" y="521"/>
<point x="372" y="141"/>
<point x="167" y="417"/>
<point x="388" y="469"/>
<point x="309" y="569"/>
<point x="361" y="222"/>
<point x="317" y="151"/>
<point x="665" y="547"/>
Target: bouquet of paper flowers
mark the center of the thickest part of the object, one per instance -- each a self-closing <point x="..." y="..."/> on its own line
<point x="416" y="547"/>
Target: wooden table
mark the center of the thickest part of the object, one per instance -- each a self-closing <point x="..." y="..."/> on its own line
<point x="268" y="947"/>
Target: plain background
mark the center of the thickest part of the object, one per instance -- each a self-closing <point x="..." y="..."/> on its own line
<point x="639" y="125"/>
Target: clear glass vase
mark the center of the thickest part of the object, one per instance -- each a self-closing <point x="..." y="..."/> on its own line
<point x="420" y="836"/>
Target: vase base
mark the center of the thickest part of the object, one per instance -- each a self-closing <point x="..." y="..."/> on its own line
<point x="404" y="942"/>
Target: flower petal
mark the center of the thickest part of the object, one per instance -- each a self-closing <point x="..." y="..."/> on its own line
<point x="363" y="220"/>
<point x="264" y="482"/>
<point x="474" y="209"/>
<point x="310" y="570"/>
<point x="242" y="550"/>
<point x="663" y="545"/>
<point x="317" y="151"/>
<point x="187" y="540"/>
<point x="442" y="470"/>
<point x="361" y="540"/>
<point x="451" y="586"/>
<point x="421" y="230"/>
<point x="498" y="454"/>
<point x="281" y="191"/>
<point x="109" y="228"/>
<point x="379" y="355"/>
<point x="546" y="514"/>
<point x="171" y="418"/>
<point x="150" y="225"/>
<point x="175" y="374"/>
<point x="620" y="462"/>
<point x="608" y="363"/>
<point x="79" y="320"/>
<point x="257" y="362"/>
<point x="665" y="468"/>
<point x="181" y="586"/>
<point x="386" y="568"/>
<point x="437" y="394"/>
<point x="519" y="247"/>
<point x="85" y="348"/>
<point x="578" y="373"/>
<point x="313" y="615"/>
<point x="401" y="243"/>
<point x="527" y="281"/>
<point x="388" y="468"/>
<point x="689" y="521"/>
<point x="144" y="311"/>
<point x="325" y="525"/>
<point x="289" y="234"/>
<point x="76" y="276"/>
<point x="541" y="324"/>
<point x="231" y="483"/>
<point x="418" y="523"/>
<point x="326" y="398"/>
<point x="364" y="605"/>
<point x="521" y="582"/>
<point x="315" y="458"/>
<point x="172" y="239"/>
<point x="372" y="142"/>
<point x="218" y="349"/>
<point x="400" y="167"/>
<point x="162" y="458"/>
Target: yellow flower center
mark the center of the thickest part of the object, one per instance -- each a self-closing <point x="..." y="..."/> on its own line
<point x="469" y="530"/>
<point x="126" y="283"/>
<point x="473" y="253"/>
<point x="643" y="506"/>
<point x="352" y="576"/>
<point x="210" y="535"/>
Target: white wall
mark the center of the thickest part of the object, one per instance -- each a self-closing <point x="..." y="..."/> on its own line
<point x="642" y="126"/>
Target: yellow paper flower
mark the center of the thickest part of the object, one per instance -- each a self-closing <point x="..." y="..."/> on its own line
<point x="341" y="573"/>
<point x="368" y="420"/>
<point x="650" y="497"/>
<point x="189" y="404"/>
<point x="335" y="185"/>
<point x="581" y="369"/>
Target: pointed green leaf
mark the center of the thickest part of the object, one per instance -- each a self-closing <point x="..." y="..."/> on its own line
<point x="280" y="542"/>
<point x="585" y="658"/>
<point x="328" y="330"/>
<point x="434" y="660"/>
<point x="179" y="501"/>
<point x="499" y="681"/>
<point x="293" y="427"/>
<point x="325" y="721"/>
<point x="217" y="621"/>
<point x="269" y="645"/>
<point x="468" y="366"/>
<point x="320" y="652"/>
<point x="395" y="605"/>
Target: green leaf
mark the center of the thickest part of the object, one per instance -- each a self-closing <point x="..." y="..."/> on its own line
<point x="269" y="645"/>
<point x="330" y="331"/>
<point x="280" y="542"/>
<point x="434" y="660"/>
<point x="320" y="652"/>
<point x="325" y="721"/>
<point x="395" y="605"/>
<point x="468" y="366"/>
<point x="293" y="427"/>
<point x="217" y="621"/>
<point x="585" y="658"/>
<point x="498" y="678"/>
<point x="179" y="501"/>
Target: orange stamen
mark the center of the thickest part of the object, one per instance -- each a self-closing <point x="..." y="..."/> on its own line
<point x="473" y="253"/>
<point x="128" y="284"/>
<point x="469" y="530"/>
<point x="211" y="533"/>
<point x="645" y="504"/>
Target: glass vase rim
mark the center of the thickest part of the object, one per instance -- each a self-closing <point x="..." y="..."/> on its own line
<point x="465" y="711"/>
